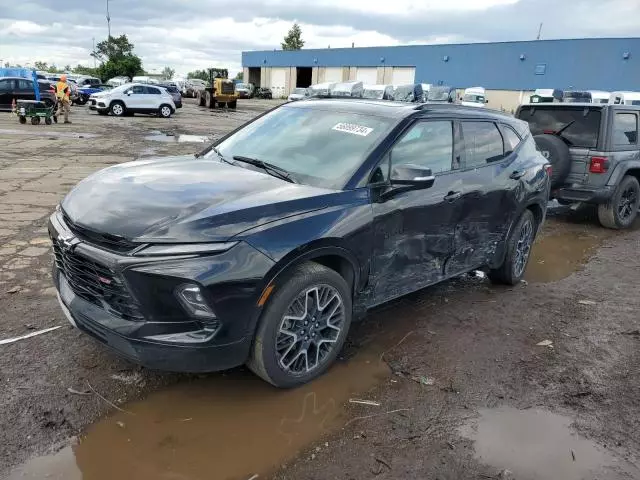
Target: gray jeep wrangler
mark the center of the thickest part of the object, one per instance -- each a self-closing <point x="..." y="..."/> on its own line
<point x="594" y="153"/>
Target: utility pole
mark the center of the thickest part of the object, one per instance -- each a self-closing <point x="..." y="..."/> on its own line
<point x="539" y="30"/>
<point x="94" y="52"/>
<point x="108" y="22"/>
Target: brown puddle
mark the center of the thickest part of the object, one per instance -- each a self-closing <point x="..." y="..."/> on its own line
<point x="230" y="426"/>
<point x="540" y="445"/>
<point x="556" y="256"/>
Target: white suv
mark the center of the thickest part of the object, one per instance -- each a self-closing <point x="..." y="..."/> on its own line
<point x="133" y="98"/>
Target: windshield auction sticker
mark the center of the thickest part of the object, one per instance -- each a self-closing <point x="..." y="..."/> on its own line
<point x="353" y="129"/>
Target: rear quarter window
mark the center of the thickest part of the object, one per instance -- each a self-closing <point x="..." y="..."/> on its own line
<point x="578" y="126"/>
<point x="625" y="129"/>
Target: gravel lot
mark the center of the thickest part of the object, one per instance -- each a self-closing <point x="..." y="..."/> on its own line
<point x="448" y="383"/>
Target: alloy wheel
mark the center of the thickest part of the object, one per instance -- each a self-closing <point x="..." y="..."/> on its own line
<point x="523" y="248"/>
<point x="117" y="109"/>
<point x="310" y="329"/>
<point x="628" y="203"/>
<point x="165" y="111"/>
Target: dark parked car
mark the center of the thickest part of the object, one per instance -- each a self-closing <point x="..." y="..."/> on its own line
<point x="16" y="88"/>
<point x="595" y="154"/>
<point x="265" y="246"/>
<point x="263" y="92"/>
<point x="174" y="92"/>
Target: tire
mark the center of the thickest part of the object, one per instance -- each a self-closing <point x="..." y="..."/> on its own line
<point x="221" y="104"/>
<point x="48" y="121"/>
<point x="515" y="260"/>
<point x="207" y="99"/>
<point x="557" y="153"/>
<point x="213" y="103"/>
<point x="622" y="208"/>
<point x="232" y="105"/>
<point x="82" y="101"/>
<point x="202" y="102"/>
<point x="165" y="111"/>
<point x="35" y="120"/>
<point x="22" y="119"/>
<point x="285" y="368"/>
<point x="117" y="109"/>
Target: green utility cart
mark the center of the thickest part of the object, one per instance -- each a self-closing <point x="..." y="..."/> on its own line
<point x="35" y="110"/>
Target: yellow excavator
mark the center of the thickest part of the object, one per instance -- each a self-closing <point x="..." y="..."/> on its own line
<point x="220" y="92"/>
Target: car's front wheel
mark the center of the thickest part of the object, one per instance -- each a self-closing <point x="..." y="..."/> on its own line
<point x="117" y="109"/>
<point x="518" y="251"/>
<point x="303" y="327"/>
<point x="621" y="210"/>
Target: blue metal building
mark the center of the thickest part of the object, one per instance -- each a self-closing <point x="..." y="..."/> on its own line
<point x="582" y="64"/>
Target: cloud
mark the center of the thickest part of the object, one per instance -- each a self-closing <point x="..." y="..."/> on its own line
<point x="187" y="35"/>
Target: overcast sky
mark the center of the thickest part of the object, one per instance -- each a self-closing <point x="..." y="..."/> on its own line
<point x="190" y="34"/>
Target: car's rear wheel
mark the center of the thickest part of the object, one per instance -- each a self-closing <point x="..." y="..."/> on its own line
<point x="117" y="109"/>
<point x="232" y="105"/>
<point x="622" y="208"/>
<point x="518" y="251"/>
<point x="165" y="111"/>
<point x="303" y="326"/>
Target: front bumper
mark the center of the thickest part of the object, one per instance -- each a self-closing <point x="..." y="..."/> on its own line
<point x="152" y="329"/>
<point x="583" y="194"/>
<point x="97" y="105"/>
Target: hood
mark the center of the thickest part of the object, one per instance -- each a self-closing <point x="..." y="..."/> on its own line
<point x="185" y="199"/>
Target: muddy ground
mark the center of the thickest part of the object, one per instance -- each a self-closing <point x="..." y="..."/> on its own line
<point x="448" y="383"/>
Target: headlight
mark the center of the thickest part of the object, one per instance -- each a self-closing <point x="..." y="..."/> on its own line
<point x="184" y="249"/>
<point x="192" y="299"/>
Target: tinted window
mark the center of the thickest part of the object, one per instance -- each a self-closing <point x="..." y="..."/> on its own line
<point x="6" y="85"/>
<point x="138" y="89"/>
<point x="25" y="85"/>
<point x="578" y="126"/>
<point x="427" y="144"/>
<point x="625" y="129"/>
<point x="152" y="91"/>
<point x="482" y="143"/>
<point x="511" y="139"/>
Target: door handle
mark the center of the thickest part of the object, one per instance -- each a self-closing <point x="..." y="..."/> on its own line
<point x="452" y="196"/>
<point x="517" y="175"/>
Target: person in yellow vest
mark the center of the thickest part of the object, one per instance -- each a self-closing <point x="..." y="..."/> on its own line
<point x="63" y="94"/>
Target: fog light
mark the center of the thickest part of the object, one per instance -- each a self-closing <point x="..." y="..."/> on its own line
<point x="192" y="299"/>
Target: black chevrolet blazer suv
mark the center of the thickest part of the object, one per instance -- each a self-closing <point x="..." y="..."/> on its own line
<point x="263" y="248"/>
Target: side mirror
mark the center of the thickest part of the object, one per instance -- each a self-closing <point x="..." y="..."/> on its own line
<point x="412" y="176"/>
<point x="129" y="92"/>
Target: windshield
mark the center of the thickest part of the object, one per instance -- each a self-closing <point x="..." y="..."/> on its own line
<point x="581" y="125"/>
<point x="404" y="93"/>
<point x="318" y="147"/>
<point x="473" y="98"/>
<point x="242" y="86"/>
<point x="300" y="91"/>
<point x="576" y="97"/>
<point x="438" y="94"/>
<point x="376" y="94"/>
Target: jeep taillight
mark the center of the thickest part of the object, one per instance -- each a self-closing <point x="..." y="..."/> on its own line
<point x="599" y="165"/>
<point x="549" y="169"/>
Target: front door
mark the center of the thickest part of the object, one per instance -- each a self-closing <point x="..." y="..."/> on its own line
<point x="414" y="229"/>
<point x="6" y="93"/>
<point x="137" y="99"/>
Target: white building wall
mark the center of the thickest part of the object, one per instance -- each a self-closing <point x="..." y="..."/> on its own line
<point x="367" y="75"/>
<point x="279" y="81"/>
<point x="332" y="74"/>
<point x="403" y="75"/>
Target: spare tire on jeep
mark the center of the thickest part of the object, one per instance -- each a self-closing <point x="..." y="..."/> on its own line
<point x="555" y="150"/>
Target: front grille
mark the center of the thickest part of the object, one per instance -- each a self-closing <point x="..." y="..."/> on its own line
<point x="95" y="283"/>
<point x="227" y="87"/>
<point x="114" y="243"/>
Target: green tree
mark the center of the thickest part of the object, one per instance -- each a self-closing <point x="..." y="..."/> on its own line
<point x="201" y="74"/>
<point x="41" y="66"/>
<point x="67" y="68"/>
<point x="117" y="58"/>
<point x="83" y="70"/>
<point x="240" y="76"/>
<point x="168" y="73"/>
<point x="113" y="47"/>
<point x="293" y="39"/>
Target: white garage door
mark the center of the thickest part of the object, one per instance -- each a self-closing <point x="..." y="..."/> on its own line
<point x="403" y="75"/>
<point x="333" y="74"/>
<point x="368" y="76"/>
<point x="278" y="81"/>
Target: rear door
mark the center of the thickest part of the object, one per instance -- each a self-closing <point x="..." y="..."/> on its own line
<point x="6" y="93"/>
<point x="580" y="127"/>
<point x="489" y="200"/>
<point x="153" y="98"/>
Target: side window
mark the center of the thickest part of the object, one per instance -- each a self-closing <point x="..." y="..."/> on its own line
<point x="24" y="85"/>
<point x="482" y="143"/>
<point x="138" y="89"/>
<point x="152" y="91"/>
<point x="618" y="100"/>
<point x="6" y="85"/>
<point x="511" y="139"/>
<point x="625" y="129"/>
<point x="426" y="144"/>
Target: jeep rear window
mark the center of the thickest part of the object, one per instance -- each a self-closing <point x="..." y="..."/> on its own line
<point x="578" y="126"/>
